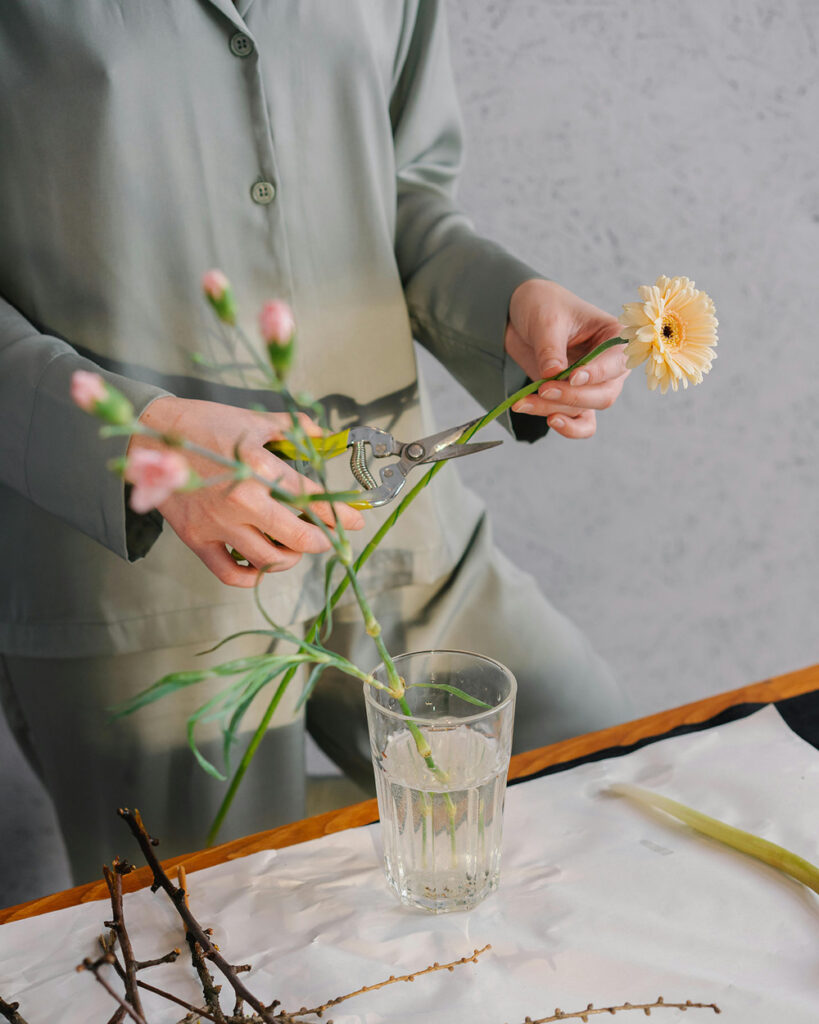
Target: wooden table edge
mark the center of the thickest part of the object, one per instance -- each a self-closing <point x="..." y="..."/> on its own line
<point x="767" y="691"/>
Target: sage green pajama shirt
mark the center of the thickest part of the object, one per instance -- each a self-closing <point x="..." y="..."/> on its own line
<point x="308" y="148"/>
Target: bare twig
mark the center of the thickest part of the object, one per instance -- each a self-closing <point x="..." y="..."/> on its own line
<point x="392" y="980"/>
<point x="9" y="1011"/>
<point x="95" y="967"/>
<point x="178" y="896"/>
<point x="590" y="1010"/>
<point x="113" y="879"/>
<point x="203" y="949"/>
<point x="210" y="989"/>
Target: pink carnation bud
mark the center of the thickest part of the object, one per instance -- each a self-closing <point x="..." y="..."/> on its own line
<point x="220" y="295"/>
<point x="87" y="389"/>
<point x="155" y="476"/>
<point x="215" y="284"/>
<point x="276" y="323"/>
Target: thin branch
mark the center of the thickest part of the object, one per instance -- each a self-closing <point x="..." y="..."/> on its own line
<point x="178" y="896"/>
<point x="590" y="1010"/>
<point x="198" y="1010"/>
<point x="210" y="989"/>
<point x="95" y="966"/>
<point x="113" y="879"/>
<point x="393" y="980"/>
<point x="9" y="1011"/>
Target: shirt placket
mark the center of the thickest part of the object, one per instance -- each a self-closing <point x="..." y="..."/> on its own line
<point x="264" y="191"/>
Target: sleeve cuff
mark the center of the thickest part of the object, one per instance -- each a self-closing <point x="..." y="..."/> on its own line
<point x="66" y="460"/>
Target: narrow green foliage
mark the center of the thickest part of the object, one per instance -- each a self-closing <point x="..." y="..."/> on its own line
<point x="315" y="675"/>
<point x="327" y="611"/>
<point x="164" y="686"/>
<point x="257" y="683"/>
<point x="234" y="636"/>
<point x="198" y="715"/>
<point x="179" y="680"/>
<point x="454" y="690"/>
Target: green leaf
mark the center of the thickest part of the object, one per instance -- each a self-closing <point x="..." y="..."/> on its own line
<point x="167" y="684"/>
<point x="233" y="636"/>
<point x="233" y="668"/>
<point x="315" y="675"/>
<point x="249" y="694"/>
<point x="194" y="719"/>
<point x="453" y="690"/>
<point x="328" y="608"/>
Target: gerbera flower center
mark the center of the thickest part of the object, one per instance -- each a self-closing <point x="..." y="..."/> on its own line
<point x="672" y="331"/>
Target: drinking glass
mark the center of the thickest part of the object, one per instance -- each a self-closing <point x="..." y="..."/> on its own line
<point x="442" y="814"/>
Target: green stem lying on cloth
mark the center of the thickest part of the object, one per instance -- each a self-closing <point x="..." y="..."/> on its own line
<point x="746" y="842"/>
<point x="385" y="527"/>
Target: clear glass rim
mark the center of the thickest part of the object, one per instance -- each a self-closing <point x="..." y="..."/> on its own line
<point x="370" y="692"/>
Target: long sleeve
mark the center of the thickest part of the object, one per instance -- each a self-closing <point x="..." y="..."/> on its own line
<point x="457" y="284"/>
<point x="50" y="451"/>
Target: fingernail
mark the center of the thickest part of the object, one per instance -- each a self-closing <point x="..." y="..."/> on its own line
<point x="552" y="367"/>
<point x="581" y="377"/>
<point x="557" y="422"/>
<point x="550" y="393"/>
<point x="523" y="406"/>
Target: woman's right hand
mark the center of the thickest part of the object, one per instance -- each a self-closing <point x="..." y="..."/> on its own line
<point x="243" y="516"/>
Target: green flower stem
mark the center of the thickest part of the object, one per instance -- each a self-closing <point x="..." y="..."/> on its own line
<point x="261" y="365"/>
<point x="241" y="470"/>
<point x="388" y="523"/>
<point x="746" y="842"/>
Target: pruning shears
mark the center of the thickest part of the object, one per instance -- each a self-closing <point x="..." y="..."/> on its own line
<point x="421" y="452"/>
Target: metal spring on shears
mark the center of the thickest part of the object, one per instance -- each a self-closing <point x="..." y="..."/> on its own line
<point x="359" y="467"/>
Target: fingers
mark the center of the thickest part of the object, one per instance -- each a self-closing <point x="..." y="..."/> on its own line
<point x="256" y="549"/>
<point x="290" y="530"/>
<point x="216" y="558"/>
<point x="576" y="427"/>
<point x="607" y="366"/>
<point x="274" y="426"/>
<point x="562" y="397"/>
<point x="350" y="518"/>
<point x="568" y="399"/>
<point x="288" y="479"/>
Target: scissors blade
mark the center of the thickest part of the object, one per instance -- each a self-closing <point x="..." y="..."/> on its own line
<point x="443" y="444"/>
<point x="444" y="438"/>
<point x="454" y="451"/>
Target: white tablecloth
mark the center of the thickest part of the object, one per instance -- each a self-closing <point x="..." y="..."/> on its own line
<point x="600" y="902"/>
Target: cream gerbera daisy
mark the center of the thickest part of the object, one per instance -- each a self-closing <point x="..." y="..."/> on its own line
<point x="673" y="331"/>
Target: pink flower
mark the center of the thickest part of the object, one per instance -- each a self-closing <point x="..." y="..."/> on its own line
<point x="276" y="323"/>
<point x="215" y="284"/>
<point x="87" y="389"/>
<point x="220" y="295"/>
<point x="155" y="476"/>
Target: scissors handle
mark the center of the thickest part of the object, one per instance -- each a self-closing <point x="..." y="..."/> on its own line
<point x="329" y="445"/>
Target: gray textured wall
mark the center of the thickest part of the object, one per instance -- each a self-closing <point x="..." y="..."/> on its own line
<point x="610" y="142"/>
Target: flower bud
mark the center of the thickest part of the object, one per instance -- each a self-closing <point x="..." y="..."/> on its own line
<point x="95" y="395"/>
<point x="155" y="475"/>
<point x="278" y="329"/>
<point x="219" y="294"/>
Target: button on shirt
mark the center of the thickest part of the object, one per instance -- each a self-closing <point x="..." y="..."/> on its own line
<point x="310" y="152"/>
<point x="241" y="44"/>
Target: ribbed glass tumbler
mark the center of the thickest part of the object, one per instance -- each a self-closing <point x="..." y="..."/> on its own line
<point x="440" y="757"/>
